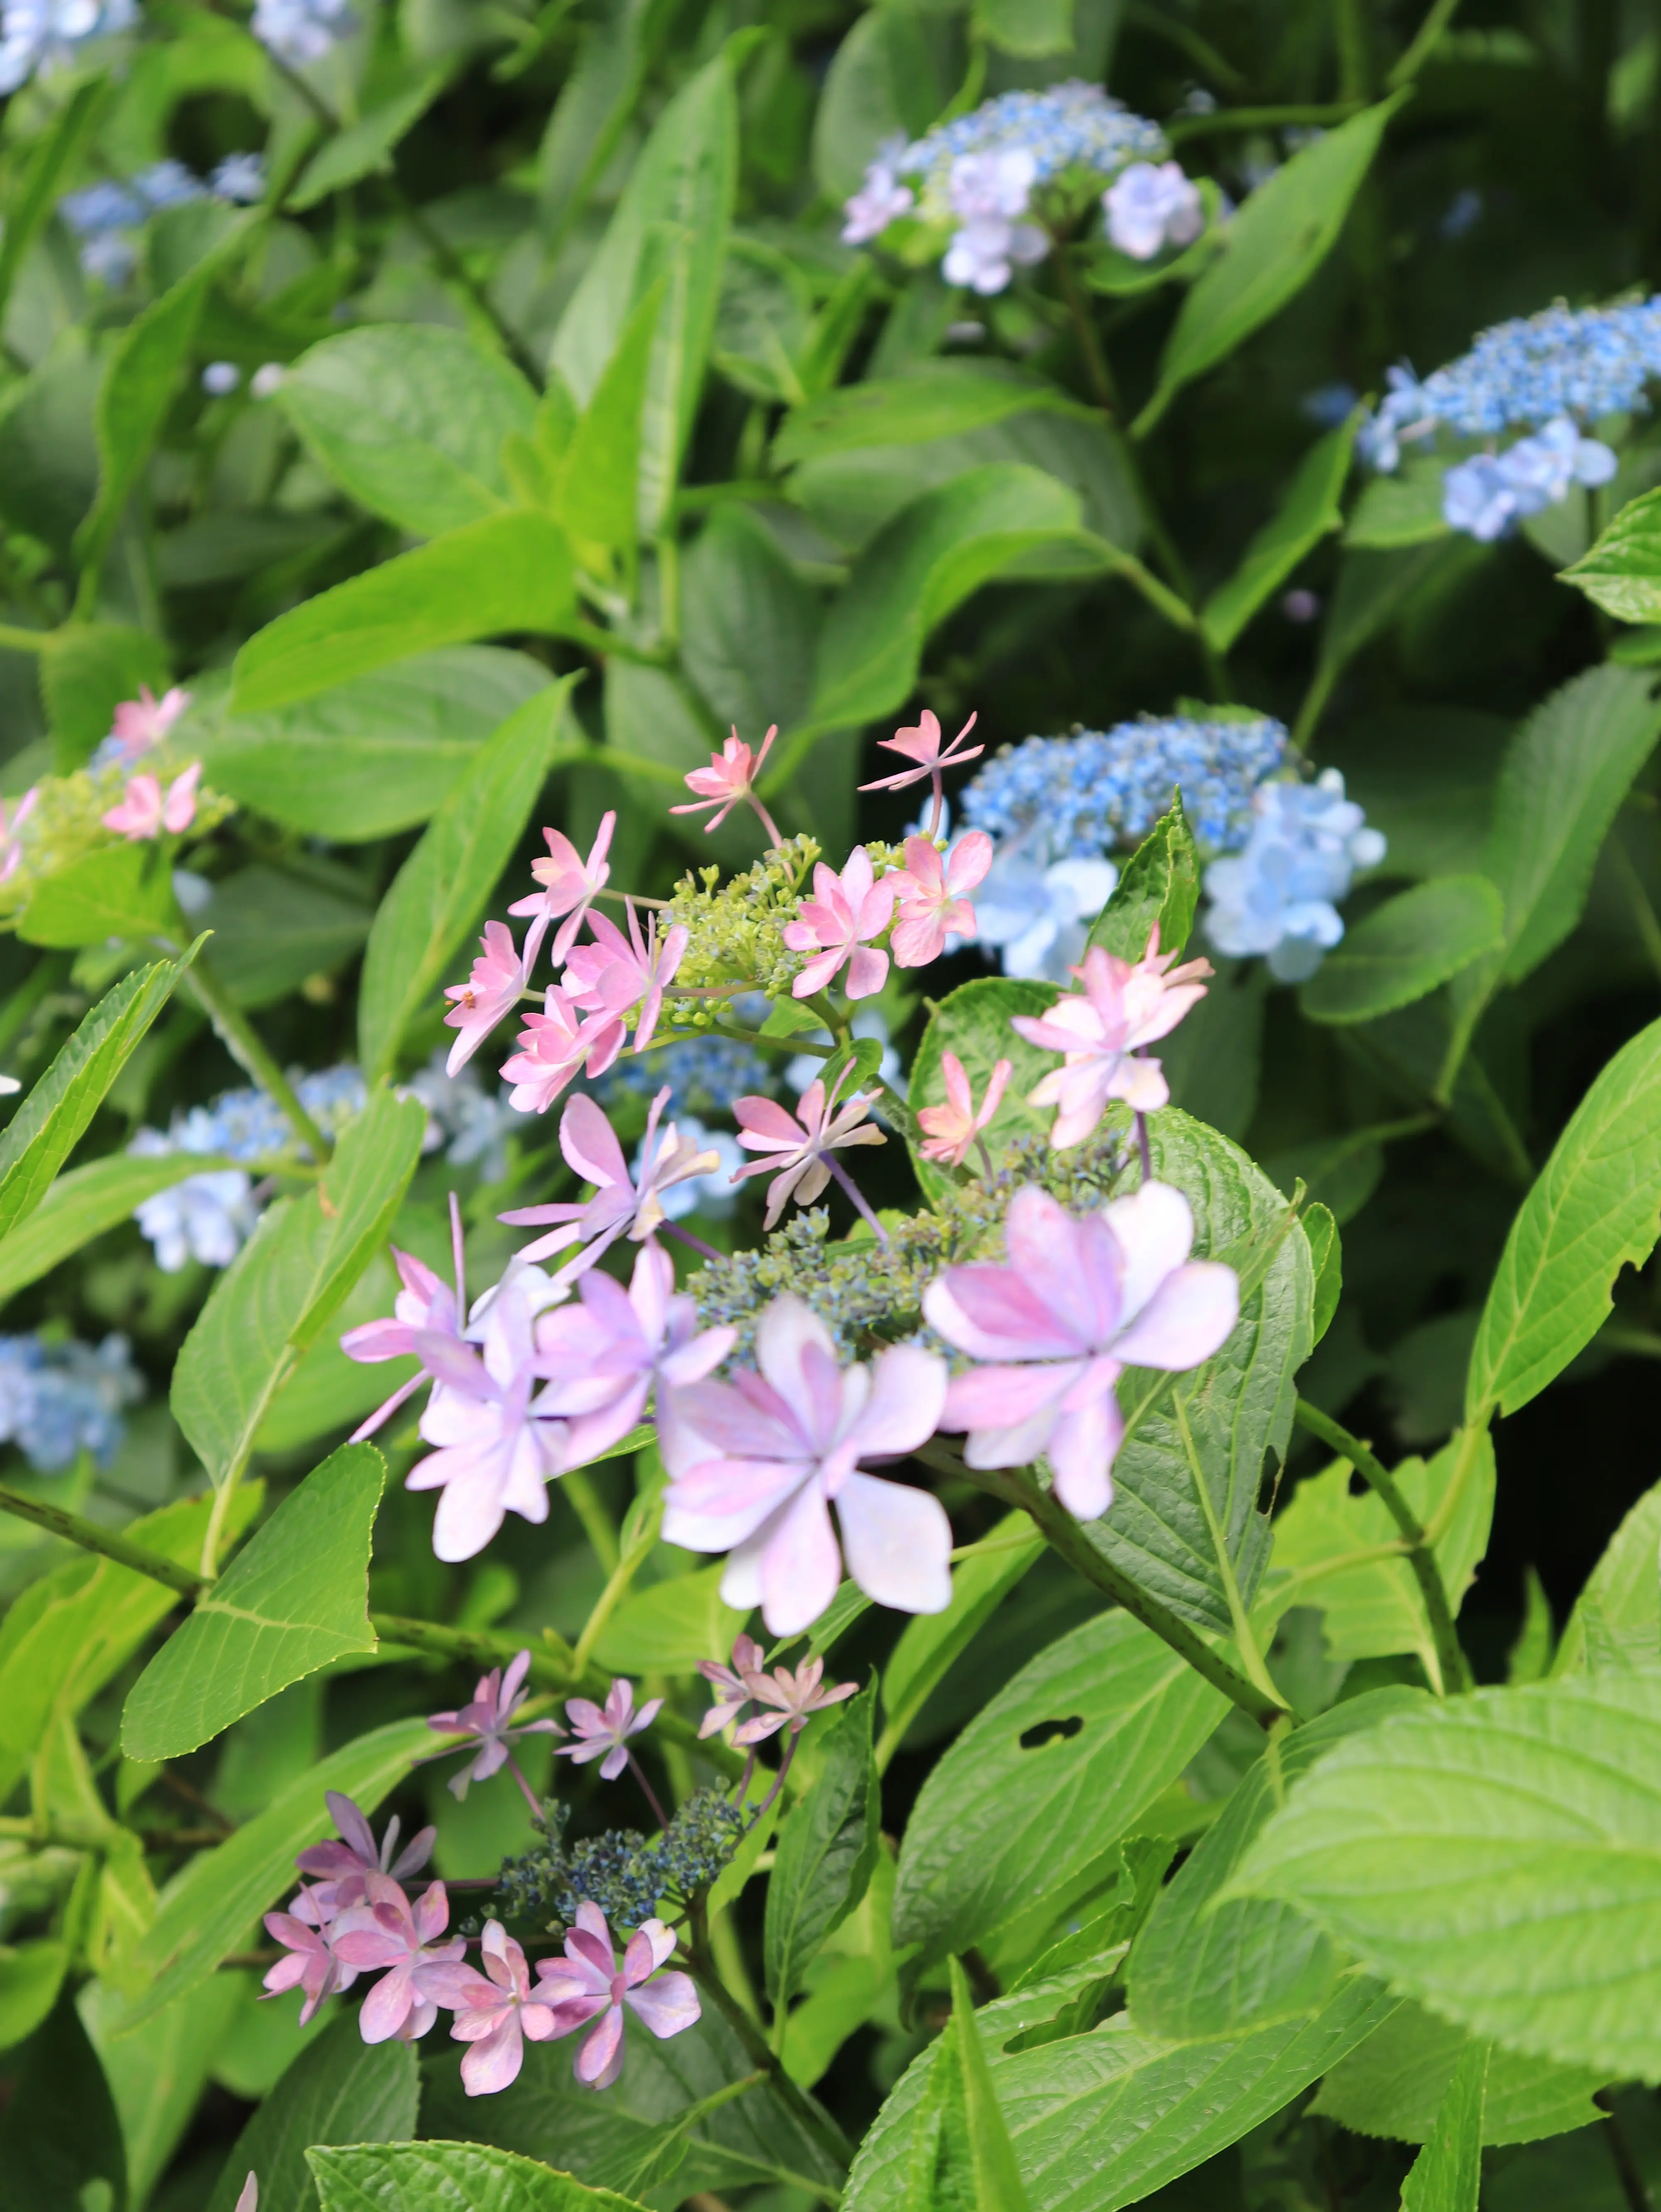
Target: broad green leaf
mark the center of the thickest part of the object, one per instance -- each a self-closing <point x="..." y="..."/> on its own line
<point x="1276" y="242"/>
<point x="667" y="1628"/>
<point x="1310" y="512"/>
<point x="1406" y="949"/>
<point x="31" y="1975"/>
<point x="86" y="669"/>
<point x="749" y="625"/>
<point x="375" y="756"/>
<point x="930" y="1644"/>
<point x="1404" y="509"/>
<point x="439" y="894"/>
<point x="1393" y="2084"/>
<point x="1497" y="1858"/>
<point x="1158" y="885"/>
<point x="973" y="1022"/>
<point x="339" y="2089"/>
<point x="51" y="162"/>
<point x="1201" y="1969"/>
<point x="596" y="487"/>
<point x="511" y="572"/>
<point x="157" y="2078"/>
<point x="1621" y="572"/>
<point x="274" y="931"/>
<point x="53" y="1118"/>
<point x="892" y="74"/>
<point x="1025" y="27"/>
<point x="294" y="1599"/>
<point x="963" y="2154"/>
<point x="409" y="419"/>
<point x="593" y="109"/>
<point x="209" y="1907"/>
<point x="1624" y="1589"/>
<point x="827" y="1848"/>
<point x="289" y="1280"/>
<point x="1447" y="2174"/>
<point x="115" y="891"/>
<point x="366" y="146"/>
<point x="1107" y="1717"/>
<point x="932" y="399"/>
<point x="85" y="1203"/>
<point x="59" y="2134"/>
<point x="457" y="2177"/>
<point x="1595" y="1208"/>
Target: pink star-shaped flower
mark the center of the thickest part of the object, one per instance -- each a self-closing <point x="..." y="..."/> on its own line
<point x="1123" y="1007"/>
<point x="348" y="1859"/>
<point x="144" y="812"/>
<point x="800" y="1144"/>
<point x="489" y="1717"/>
<point x="588" y="1985"/>
<point x="489" y="993"/>
<point x="305" y="1931"/>
<point x="619" y="1206"/>
<point x="386" y="1930"/>
<point x="793" y="1693"/>
<point x="138" y="724"/>
<point x="570" y="885"/>
<point x="552" y="1046"/>
<point x="603" y="1731"/>
<point x="11" y="820"/>
<point x="922" y="746"/>
<point x="730" y="778"/>
<point x="732" y="1684"/>
<point x="931" y="895"/>
<point x="617" y="972"/>
<point x="603" y="1356"/>
<point x="844" y="913"/>
<point x="953" y="1128"/>
<point x="495" y="2011"/>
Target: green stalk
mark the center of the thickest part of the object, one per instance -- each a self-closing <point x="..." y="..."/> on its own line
<point x="240" y="1039"/>
<point x="106" y="1541"/>
<point x="1440" y="15"/>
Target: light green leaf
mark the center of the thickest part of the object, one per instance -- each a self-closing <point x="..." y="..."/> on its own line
<point x="973" y="1023"/>
<point x="1106" y="1717"/>
<point x="1310" y="512"/>
<point x="156" y="2079"/>
<point x="1406" y="949"/>
<point x="339" y="2089"/>
<point x="511" y="572"/>
<point x="289" y="1280"/>
<point x="53" y="1118"/>
<point x="208" y="1909"/>
<point x="932" y="1643"/>
<point x="450" y="2177"/>
<point x="1497" y="1858"/>
<point x="1447" y="2174"/>
<point x="1025" y="27"/>
<point x="51" y="159"/>
<point x="292" y="1601"/>
<point x="31" y="1975"/>
<point x="410" y="420"/>
<point x="115" y="891"/>
<point x="439" y="894"/>
<point x="668" y="1628"/>
<point x="1621" y="572"/>
<point x="1623" y="1589"/>
<point x="1159" y="886"/>
<point x="826" y="1850"/>
<point x="1404" y="509"/>
<point x="86" y="669"/>
<point x="85" y="1203"/>
<point x="1276" y="242"/>
<point x="1393" y="2084"/>
<point x="932" y="399"/>
<point x="1595" y="1208"/>
<point x="1326" y="1254"/>
<point x="366" y="146"/>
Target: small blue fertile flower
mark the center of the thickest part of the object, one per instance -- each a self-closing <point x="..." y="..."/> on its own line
<point x="240" y="179"/>
<point x="58" y="1400"/>
<point x="1278" y="895"/>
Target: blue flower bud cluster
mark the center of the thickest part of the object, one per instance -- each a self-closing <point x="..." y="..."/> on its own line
<point x="624" y="1873"/>
<point x="47" y="34"/>
<point x="1277" y="896"/>
<point x="1068" y="126"/>
<point x="58" y="1398"/>
<point x="105" y="215"/>
<point x="705" y="1074"/>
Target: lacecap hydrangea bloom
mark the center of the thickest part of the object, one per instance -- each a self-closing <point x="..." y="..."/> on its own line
<point x="1278" y="897"/>
<point x="302" y="31"/>
<point x="50" y="34"/>
<point x="60" y="1398"/>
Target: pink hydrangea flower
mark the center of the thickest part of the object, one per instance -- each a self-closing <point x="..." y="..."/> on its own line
<point x="732" y="1684"/>
<point x="619" y="1206"/>
<point x="799" y="1145"/>
<point x="570" y="885"/>
<point x="305" y="1931"/>
<point x="348" y="1859"/>
<point x="757" y="1463"/>
<point x="552" y="1046"/>
<point x="495" y="2011"/>
<point x="793" y="1693"/>
<point x="386" y="1930"/>
<point x="922" y="746"/>
<point x="844" y="913"/>
<point x="145" y="812"/>
<point x="488" y="996"/>
<point x="138" y="724"/>
<point x="489" y="1717"/>
<point x="588" y="1985"/>
<point x="730" y="778"/>
<point x="952" y="1129"/>
<point x="1123" y="1007"/>
<point x="616" y="972"/>
<point x="1077" y="1301"/>
<point x="249" y="2200"/>
<point x="602" y="1355"/>
<point x="603" y="1731"/>
<point x="931" y="895"/>
<point x="11" y="820"/>
<point x="424" y="1309"/>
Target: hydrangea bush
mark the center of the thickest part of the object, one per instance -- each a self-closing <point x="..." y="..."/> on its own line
<point x="829" y="856"/>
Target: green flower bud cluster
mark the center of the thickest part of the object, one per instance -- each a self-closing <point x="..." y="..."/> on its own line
<point x="67" y="822"/>
<point x="736" y="929"/>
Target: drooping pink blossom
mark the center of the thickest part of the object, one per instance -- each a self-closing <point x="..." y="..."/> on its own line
<point x="922" y="746"/>
<point x="489" y="995"/>
<point x="616" y="972"/>
<point x="1076" y="1302"/>
<point x="1123" y="1006"/>
<point x="11" y="820"/>
<point x="952" y="1129"/>
<point x="730" y="778"/>
<point x="424" y="1309"/>
<point x="793" y="1693"/>
<point x="489" y="1717"/>
<point x="799" y="1145"/>
<point x="346" y="1860"/>
<point x="619" y="1206"/>
<point x="588" y="1985"/>
<point x="602" y="1357"/>
<point x="757" y="1463"/>
<point x="732" y="1684"/>
<point x="138" y="724"/>
<point x="602" y="1732"/>
<point x="552" y="1046"/>
<point x="386" y="1930"/>
<point x="305" y="1931"/>
<point x="838" y="922"/>
<point x="495" y="2011"/>
<point x="143" y="812"/>
<point x="570" y="885"/>
<point x="931" y="892"/>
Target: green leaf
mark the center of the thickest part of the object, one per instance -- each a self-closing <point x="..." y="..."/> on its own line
<point x="375" y="756"/>
<point x="53" y="1118"/>
<point x="1406" y="949"/>
<point x="339" y="2089"/>
<point x="1107" y="1717"/>
<point x="292" y="1601"/>
<point x="1447" y="2174"/>
<point x="1595" y="1208"/>
<point x="596" y="488"/>
<point x="53" y="160"/>
<point x="1159" y="886"/>
<point x="85" y="1203"/>
<point x="409" y="419"/>
<point x="973" y="2161"/>
<point x="366" y="146"/>
<point x="973" y="1022"/>
<point x="86" y="669"/>
<point x="1404" y="509"/>
<point x="1623" y="1589"/>
<point x="208" y="1909"/>
<point x="750" y="625"/>
<point x="511" y="572"/>
<point x="439" y="894"/>
<point x="288" y="1282"/>
<point x="1310" y="512"/>
<point x="827" y="1848"/>
<point x="59" y="2134"/>
<point x="156" y="2079"/>
<point x="1276" y="242"/>
<point x="273" y="932"/>
<point x="450" y="2177"/>
<point x="115" y="891"/>
<point x="669" y="1627"/>
<point x="1621" y="571"/>
<point x="930" y="1644"/>
<point x="930" y="399"/>
<point x="1394" y="2082"/>
<point x="1025" y="27"/>
<point x="1326" y="1254"/>
<point x="1497" y="1858"/>
<point x="31" y="1976"/>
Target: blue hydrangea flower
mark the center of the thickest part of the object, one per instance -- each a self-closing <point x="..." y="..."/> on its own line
<point x="1036" y="915"/>
<point x="469" y="1124"/>
<point x="240" y="179"/>
<point x="302" y="31"/>
<point x="48" y="34"/>
<point x="1278" y="897"/>
<point x="58" y="1400"/>
<point x="1488" y="495"/>
<point x="705" y="1073"/>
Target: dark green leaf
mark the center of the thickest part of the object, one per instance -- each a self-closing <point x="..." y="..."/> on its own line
<point x="930" y="1644"/>
<point x="273" y="932"/>
<point x="1404" y="509"/>
<point x="934" y="399"/>
<point x="339" y="2089"/>
<point x="596" y="488"/>
<point x="52" y="159"/>
<point x="450" y="2177"/>
<point x="1393" y="2083"/>
<point x="827" y="1848"/>
<point x="1159" y="886"/>
<point x="968" y="2159"/>
<point x="1025" y="27"/>
<point x="1447" y="2174"/>
<point x="115" y="891"/>
<point x="366" y="146"/>
<point x="750" y="625"/>
<point x="1310" y="512"/>
<point x="31" y="1976"/>
<point x="59" y="2133"/>
<point x="1406" y="949"/>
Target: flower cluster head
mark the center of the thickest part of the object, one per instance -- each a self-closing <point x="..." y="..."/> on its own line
<point x="490" y="1718"/>
<point x="59" y="1398"/>
<point x="302" y="31"/>
<point x="735" y="930"/>
<point x="790" y="1694"/>
<point x="1278" y="897"/>
<point x="322" y="1913"/>
<point x="43" y="36"/>
<point x="1487" y="495"/>
<point x="1123" y="1005"/>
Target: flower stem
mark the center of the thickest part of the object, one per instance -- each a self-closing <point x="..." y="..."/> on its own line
<point x="686" y="1236"/>
<point x="91" y="1538"/>
<point x="1142" y="1147"/>
<point x="766" y="820"/>
<point x="238" y="1035"/>
<point x="848" y="1184"/>
<point x="650" y="1795"/>
<point x="530" y="1797"/>
<point x="778" y="1779"/>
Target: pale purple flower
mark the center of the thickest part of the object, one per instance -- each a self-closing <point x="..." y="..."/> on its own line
<point x="489" y="1717"/>
<point x="732" y="1684"/>
<point x="602" y="1732"/>
<point x="1150" y="205"/>
<point x="1077" y="1301"/>
<point x="305" y="1931"/>
<point x="795" y="1694"/>
<point x="988" y="192"/>
<point x="570" y="884"/>
<point x="1123" y="1005"/>
<point x="757" y="1463"/>
<point x="386" y="1930"/>
<point x="249" y="2200"/>
<point x="587" y="1984"/>
<point x="880" y="200"/>
<point x="602" y="1355"/>
<point x="494" y="2011"/>
<point x="619" y="1206"/>
<point x="799" y="1145"/>
<point x="345" y="1860"/>
<point x="426" y="1319"/>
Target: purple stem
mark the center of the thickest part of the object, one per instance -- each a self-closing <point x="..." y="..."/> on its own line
<point x="1142" y="1144"/>
<point x="674" y="1229"/>
<point x="456" y="1253"/>
<point x="530" y="1797"/>
<point x="766" y="820"/>
<point x="743" y="1780"/>
<point x="986" y="1156"/>
<point x="778" y="1779"/>
<point x="658" y="1812"/>
<point x="847" y="1182"/>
